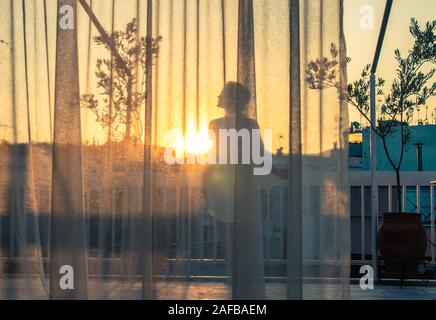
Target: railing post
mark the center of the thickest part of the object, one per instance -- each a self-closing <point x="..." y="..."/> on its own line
<point x="282" y="212"/>
<point x="215" y="239"/>
<point x="114" y="222"/>
<point x="432" y="231"/>
<point x="403" y="198"/>
<point x="202" y="241"/>
<point x="189" y="238"/>
<point x="362" y="222"/>
<point x="390" y="198"/>
<point x="268" y="221"/>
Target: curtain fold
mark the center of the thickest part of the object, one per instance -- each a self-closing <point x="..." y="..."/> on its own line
<point x="68" y="233"/>
<point x="130" y="131"/>
<point x="248" y="270"/>
<point x="325" y="222"/>
<point x="294" y="225"/>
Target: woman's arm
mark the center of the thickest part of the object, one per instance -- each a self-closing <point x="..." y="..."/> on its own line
<point x="279" y="172"/>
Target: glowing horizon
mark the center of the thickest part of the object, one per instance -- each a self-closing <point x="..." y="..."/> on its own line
<point x="273" y="91"/>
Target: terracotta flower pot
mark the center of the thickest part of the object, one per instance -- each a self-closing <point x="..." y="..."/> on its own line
<point x="402" y="244"/>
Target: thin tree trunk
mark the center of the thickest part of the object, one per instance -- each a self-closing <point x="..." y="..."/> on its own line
<point x="400" y="207"/>
<point x="129" y="109"/>
<point x="397" y="172"/>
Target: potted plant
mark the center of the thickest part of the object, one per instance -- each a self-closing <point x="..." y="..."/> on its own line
<point x="401" y="239"/>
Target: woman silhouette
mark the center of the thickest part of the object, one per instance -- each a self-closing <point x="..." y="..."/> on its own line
<point x="234" y="99"/>
<point x="224" y="181"/>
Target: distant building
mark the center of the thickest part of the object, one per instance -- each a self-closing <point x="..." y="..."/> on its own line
<point x="419" y="154"/>
<point x="355" y="160"/>
<point x="421" y="137"/>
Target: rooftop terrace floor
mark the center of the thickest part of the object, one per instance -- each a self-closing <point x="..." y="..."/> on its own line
<point x="12" y="288"/>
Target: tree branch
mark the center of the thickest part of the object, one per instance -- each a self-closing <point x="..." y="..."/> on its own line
<point x="105" y="37"/>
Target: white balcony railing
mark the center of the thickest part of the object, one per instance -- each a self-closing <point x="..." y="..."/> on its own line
<point x="417" y="195"/>
<point x="196" y="235"/>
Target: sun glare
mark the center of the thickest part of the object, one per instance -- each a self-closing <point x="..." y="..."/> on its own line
<point x="198" y="142"/>
<point x="194" y="141"/>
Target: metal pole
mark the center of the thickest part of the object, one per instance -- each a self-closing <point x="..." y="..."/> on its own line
<point x="374" y="187"/>
<point x="381" y="36"/>
<point x="373" y="139"/>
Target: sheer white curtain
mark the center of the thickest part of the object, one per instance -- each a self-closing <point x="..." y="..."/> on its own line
<point x="324" y="144"/>
<point x="96" y="93"/>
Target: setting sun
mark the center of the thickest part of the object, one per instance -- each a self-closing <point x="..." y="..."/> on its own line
<point x="195" y="141"/>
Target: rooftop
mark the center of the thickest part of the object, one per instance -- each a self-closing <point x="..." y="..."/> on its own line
<point x="213" y="290"/>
